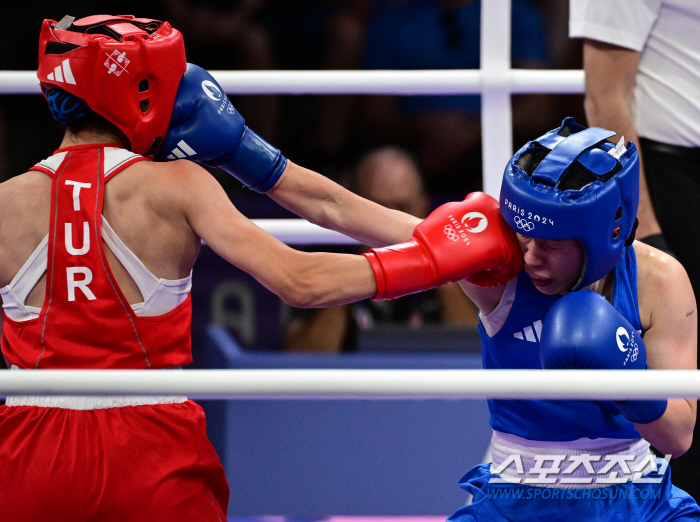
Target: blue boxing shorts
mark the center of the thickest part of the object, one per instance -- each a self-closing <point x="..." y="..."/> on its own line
<point x="655" y="502"/>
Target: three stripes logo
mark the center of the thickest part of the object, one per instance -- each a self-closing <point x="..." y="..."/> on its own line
<point x="181" y="151"/>
<point x="530" y="333"/>
<point x="62" y="73"/>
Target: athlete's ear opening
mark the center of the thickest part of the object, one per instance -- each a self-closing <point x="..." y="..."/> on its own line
<point x="616" y="232"/>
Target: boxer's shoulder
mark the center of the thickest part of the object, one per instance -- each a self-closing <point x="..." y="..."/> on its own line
<point x="160" y="180"/>
<point x="26" y="180"/>
<point x="164" y="173"/>
<point x="663" y="285"/>
<point x="154" y="192"/>
<point x="24" y="215"/>
<point x="25" y="191"/>
<point x="655" y="267"/>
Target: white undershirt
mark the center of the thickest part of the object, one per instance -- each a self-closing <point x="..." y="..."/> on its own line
<point x="496" y="318"/>
<point x="160" y="295"/>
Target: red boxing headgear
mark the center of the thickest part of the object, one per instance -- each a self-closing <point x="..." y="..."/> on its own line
<point x="126" y="69"/>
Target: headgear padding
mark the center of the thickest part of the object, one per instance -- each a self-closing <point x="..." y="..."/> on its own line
<point x="567" y="185"/>
<point x="126" y="69"/>
<point x="65" y="107"/>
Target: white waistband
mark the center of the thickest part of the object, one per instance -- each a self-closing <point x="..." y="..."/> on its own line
<point x="579" y="464"/>
<point x="80" y="402"/>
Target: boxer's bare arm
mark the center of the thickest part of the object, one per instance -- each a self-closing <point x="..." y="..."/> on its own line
<point x="327" y="204"/>
<point x="668" y="312"/>
<point x="300" y="279"/>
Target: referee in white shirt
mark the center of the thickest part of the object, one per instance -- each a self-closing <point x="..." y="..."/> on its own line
<point x="642" y="63"/>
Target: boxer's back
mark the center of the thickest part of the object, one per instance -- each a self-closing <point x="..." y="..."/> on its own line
<point x="143" y="204"/>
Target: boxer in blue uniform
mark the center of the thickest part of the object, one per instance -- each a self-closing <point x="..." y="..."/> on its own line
<point x="586" y="296"/>
<point x="583" y="301"/>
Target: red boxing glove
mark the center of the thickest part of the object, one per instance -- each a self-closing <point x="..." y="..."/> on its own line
<point x="456" y="241"/>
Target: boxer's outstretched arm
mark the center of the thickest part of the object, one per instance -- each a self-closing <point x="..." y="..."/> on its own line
<point x="667" y="305"/>
<point x="208" y="130"/>
<point x="301" y="279"/>
<point x="429" y="259"/>
<point x="325" y="203"/>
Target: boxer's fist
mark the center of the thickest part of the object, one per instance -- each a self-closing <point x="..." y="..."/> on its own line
<point x="455" y="241"/>
<point x="582" y="330"/>
<point x="206" y="129"/>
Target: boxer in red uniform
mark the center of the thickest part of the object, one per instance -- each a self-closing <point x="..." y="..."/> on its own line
<point x="96" y="254"/>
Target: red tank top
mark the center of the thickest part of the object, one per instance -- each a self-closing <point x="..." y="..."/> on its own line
<point x="85" y="321"/>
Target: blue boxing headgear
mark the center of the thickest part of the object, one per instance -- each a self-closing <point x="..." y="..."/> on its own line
<point x="567" y="185"/>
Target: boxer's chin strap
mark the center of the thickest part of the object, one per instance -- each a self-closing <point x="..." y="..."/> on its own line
<point x="630" y="239"/>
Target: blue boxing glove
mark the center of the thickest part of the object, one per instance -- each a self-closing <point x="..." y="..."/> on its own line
<point x="206" y="129"/>
<point x="581" y="331"/>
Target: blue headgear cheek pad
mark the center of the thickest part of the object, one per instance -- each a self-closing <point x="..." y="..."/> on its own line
<point x="535" y="207"/>
<point x="64" y="106"/>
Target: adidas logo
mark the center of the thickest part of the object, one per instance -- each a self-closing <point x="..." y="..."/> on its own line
<point x="182" y="151"/>
<point x="530" y="333"/>
<point x="62" y="73"/>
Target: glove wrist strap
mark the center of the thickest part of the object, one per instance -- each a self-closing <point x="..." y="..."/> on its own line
<point x="642" y="412"/>
<point x="402" y="269"/>
<point x="256" y="163"/>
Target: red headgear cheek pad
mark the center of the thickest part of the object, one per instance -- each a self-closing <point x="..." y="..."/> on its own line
<point x="126" y="69"/>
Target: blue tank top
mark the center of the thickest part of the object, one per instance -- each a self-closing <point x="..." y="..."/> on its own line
<point x="516" y="346"/>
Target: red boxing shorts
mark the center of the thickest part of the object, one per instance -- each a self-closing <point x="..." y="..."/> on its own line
<point x="146" y="463"/>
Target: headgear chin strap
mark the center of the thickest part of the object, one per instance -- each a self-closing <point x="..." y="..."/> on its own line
<point x="567" y="185"/>
<point x="126" y="69"/>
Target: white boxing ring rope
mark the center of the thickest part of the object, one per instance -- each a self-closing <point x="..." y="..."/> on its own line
<point x="358" y="384"/>
<point x="301" y="232"/>
<point x="494" y="85"/>
<point x="496" y="82"/>
<point x="444" y="82"/>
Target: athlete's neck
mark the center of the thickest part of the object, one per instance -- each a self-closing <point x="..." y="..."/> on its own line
<point x="603" y="286"/>
<point x="86" y="137"/>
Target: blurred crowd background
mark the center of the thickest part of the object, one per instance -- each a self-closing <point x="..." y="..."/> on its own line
<point x="412" y="153"/>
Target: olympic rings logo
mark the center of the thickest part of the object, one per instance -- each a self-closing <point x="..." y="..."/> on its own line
<point x="451" y="233"/>
<point x="625" y="341"/>
<point x="635" y="353"/>
<point x="524" y="224"/>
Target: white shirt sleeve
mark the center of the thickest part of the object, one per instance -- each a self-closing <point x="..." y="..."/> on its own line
<point x="626" y="23"/>
<point x="495" y="319"/>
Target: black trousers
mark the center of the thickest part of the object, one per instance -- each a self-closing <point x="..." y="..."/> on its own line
<point x="673" y="176"/>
